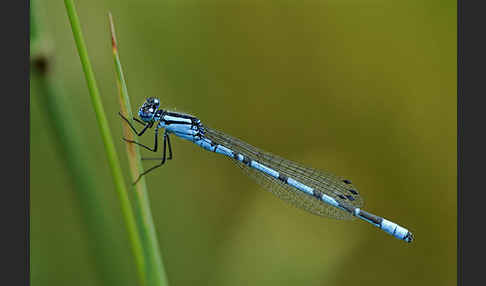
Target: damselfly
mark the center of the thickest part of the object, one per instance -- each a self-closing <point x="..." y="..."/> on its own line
<point x="317" y="192"/>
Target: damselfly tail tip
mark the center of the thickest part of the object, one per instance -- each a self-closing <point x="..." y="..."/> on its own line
<point x="409" y="237"/>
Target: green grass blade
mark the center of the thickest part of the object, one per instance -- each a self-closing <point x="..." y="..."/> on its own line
<point x="105" y="133"/>
<point x="97" y="223"/>
<point x="156" y="272"/>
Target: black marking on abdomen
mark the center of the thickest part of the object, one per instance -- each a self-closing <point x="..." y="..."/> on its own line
<point x="213" y="145"/>
<point x="235" y="155"/>
<point x="371" y="217"/>
<point x="346" y="181"/>
<point x="349" y="209"/>
<point x="317" y="194"/>
<point x="246" y="161"/>
<point x="282" y="177"/>
<point x="342" y="197"/>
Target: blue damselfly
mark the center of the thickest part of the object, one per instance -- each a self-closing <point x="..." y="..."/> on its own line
<point x="317" y="192"/>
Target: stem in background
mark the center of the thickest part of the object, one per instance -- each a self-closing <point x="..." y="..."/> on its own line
<point x="91" y="204"/>
<point x="130" y="223"/>
<point x="156" y="272"/>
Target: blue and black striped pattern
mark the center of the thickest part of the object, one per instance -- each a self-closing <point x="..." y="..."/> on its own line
<point x="315" y="191"/>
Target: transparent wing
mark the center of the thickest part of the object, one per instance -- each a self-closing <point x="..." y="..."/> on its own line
<point x="338" y="188"/>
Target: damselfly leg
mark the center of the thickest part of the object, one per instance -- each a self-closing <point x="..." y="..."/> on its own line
<point x="154" y="149"/>
<point x="170" y="152"/>
<point x="146" y="125"/>
<point x="164" y="157"/>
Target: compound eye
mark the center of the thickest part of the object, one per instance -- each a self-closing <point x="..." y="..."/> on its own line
<point x="149" y="110"/>
<point x="152" y="102"/>
<point x="146" y="112"/>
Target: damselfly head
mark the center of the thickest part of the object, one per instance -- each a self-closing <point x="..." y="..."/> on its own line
<point x="148" y="109"/>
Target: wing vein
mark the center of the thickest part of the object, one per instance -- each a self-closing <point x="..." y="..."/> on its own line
<point x="325" y="182"/>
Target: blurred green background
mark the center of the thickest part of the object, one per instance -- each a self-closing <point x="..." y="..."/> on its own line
<point x="364" y="89"/>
